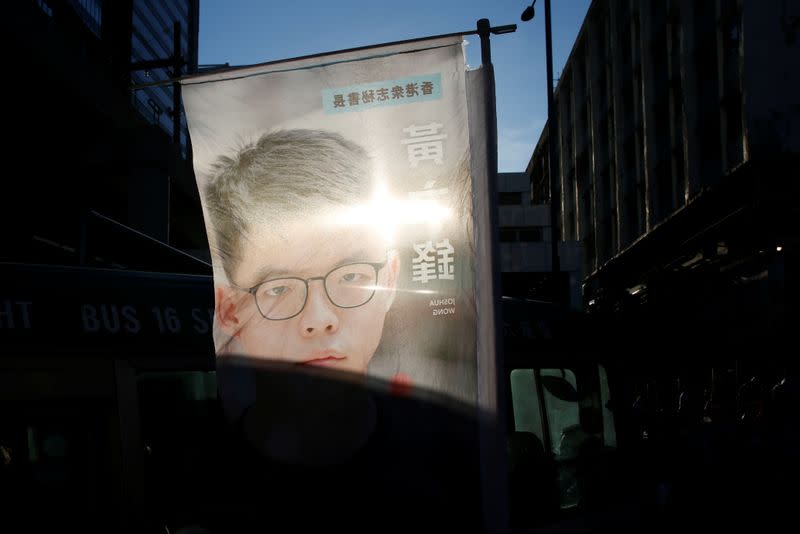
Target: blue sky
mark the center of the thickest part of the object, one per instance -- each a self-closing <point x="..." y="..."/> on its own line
<point x="242" y="32"/>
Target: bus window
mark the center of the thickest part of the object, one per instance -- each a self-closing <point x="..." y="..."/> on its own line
<point x="578" y="419"/>
<point x="561" y="401"/>
<point x="527" y="415"/>
<point x="180" y="437"/>
<point x="58" y="458"/>
<point x="609" y="432"/>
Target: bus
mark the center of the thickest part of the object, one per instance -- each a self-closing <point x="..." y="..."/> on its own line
<point x="111" y="420"/>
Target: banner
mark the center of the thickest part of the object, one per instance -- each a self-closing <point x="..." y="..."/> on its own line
<point x="337" y="195"/>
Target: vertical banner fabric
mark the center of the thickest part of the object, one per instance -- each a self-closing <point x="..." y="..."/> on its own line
<point x="480" y="88"/>
<point x="337" y="194"/>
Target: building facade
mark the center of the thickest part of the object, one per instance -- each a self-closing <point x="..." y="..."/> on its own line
<point x="96" y="191"/>
<point x="152" y="37"/>
<point x="109" y="181"/>
<point x="677" y="143"/>
<point x="525" y="246"/>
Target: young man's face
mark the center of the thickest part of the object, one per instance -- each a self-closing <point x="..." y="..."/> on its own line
<point x="302" y="274"/>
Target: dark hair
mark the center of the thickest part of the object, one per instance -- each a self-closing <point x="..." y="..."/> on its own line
<point x="282" y="175"/>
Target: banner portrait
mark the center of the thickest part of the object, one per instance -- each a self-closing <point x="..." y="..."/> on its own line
<point x="337" y="196"/>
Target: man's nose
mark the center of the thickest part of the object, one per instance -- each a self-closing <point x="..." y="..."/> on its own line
<point x="319" y="315"/>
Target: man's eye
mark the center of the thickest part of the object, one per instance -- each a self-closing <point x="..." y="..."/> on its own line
<point x="276" y="291"/>
<point x="352" y="277"/>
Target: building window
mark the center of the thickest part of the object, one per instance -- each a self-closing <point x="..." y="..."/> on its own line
<point x="45" y="7"/>
<point x="91" y="12"/>
<point x="508" y="235"/>
<point x="528" y="234"/>
<point x="540" y="186"/>
<point x="505" y="198"/>
<point x="733" y="129"/>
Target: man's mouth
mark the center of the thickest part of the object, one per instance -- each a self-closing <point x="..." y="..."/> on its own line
<point x="323" y="358"/>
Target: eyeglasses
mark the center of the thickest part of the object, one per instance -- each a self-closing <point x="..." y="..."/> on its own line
<point x="347" y="286"/>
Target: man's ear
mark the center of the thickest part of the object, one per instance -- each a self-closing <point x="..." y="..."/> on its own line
<point x="226" y="307"/>
<point x="393" y="272"/>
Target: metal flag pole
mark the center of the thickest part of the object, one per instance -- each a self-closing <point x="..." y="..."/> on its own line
<point x="493" y="459"/>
